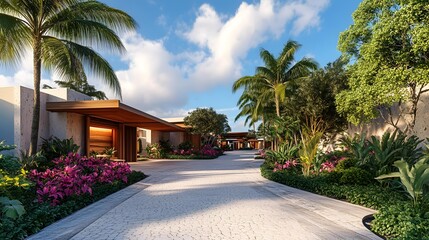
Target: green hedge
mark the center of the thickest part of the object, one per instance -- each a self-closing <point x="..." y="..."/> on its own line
<point x="39" y="216"/>
<point x="396" y="217"/>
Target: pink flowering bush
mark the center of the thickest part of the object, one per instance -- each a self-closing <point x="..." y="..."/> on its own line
<point x="287" y="165"/>
<point x="75" y="175"/>
<point x="327" y="166"/>
<point x="208" y="150"/>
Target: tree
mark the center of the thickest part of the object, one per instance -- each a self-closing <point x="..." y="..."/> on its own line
<point x="315" y="96"/>
<point x="62" y="35"/>
<point x="208" y="123"/>
<point x="272" y="79"/>
<point x="388" y="42"/>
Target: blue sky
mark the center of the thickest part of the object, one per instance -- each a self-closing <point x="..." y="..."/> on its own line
<point x="186" y="54"/>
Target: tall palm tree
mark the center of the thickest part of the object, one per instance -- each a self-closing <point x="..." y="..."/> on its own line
<point x="274" y="77"/>
<point x="62" y="35"/>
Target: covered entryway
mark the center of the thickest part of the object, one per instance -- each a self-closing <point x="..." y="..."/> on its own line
<point x="110" y="123"/>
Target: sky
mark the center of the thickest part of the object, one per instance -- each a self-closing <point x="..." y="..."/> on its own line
<point x="187" y="54"/>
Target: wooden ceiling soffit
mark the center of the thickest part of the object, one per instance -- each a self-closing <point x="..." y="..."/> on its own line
<point x="115" y="111"/>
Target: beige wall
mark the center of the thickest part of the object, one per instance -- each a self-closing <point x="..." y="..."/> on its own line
<point x="378" y="126"/>
<point x="17" y="103"/>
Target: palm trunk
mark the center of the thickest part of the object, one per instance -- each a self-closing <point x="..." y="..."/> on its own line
<point x="277" y="102"/>
<point x="36" y="98"/>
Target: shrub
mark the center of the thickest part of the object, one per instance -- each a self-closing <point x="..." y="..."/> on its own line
<point x="75" y="175"/>
<point x="346" y="163"/>
<point x="208" y="150"/>
<point x="53" y="148"/>
<point x="289" y="165"/>
<point x="401" y="221"/>
<point x="8" y="163"/>
<point x="186" y="146"/>
<point x="154" y="150"/>
<point x="333" y="177"/>
<point x="357" y="176"/>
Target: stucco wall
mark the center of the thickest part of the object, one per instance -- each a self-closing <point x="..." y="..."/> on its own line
<point x="378" y="126"/>
<point x="67" y="125"/>
<point x="16" y="105"/>
<point x="7" y="110"/>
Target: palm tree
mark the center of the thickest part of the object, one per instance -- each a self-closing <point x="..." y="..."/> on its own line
<point x="80" y="84"/>
<point x="62" y="35"/>
<point x="273" y="78"/>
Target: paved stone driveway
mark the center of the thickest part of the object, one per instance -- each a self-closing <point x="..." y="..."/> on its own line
<point x="224" y="198"/>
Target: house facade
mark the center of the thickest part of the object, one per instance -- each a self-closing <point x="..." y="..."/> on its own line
<point x="93" y="124"/>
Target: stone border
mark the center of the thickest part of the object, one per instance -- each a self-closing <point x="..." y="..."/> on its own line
<point x="69" y="226"/>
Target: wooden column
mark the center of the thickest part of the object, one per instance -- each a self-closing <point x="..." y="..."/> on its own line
<point x="130" y="149"/>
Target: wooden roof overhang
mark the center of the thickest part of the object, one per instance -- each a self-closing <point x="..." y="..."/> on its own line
<point x="115" y="111"/>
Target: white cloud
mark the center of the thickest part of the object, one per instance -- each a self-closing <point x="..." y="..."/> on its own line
<point x="228" y="41"/>
<point x="152" y="81"/>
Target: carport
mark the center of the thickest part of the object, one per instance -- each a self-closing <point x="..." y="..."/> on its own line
<point x="110" y="123"/>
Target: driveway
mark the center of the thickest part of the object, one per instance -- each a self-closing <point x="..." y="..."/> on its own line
<point x="225" y="198"/>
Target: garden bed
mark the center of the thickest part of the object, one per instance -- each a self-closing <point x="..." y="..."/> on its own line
<point x="396" y="217"/>
<point x="40" y="215"/>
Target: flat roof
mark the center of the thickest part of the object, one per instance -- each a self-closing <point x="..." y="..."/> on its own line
<point x="115" y="111"/>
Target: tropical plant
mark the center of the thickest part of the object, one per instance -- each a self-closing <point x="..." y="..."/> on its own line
<point x="11" y="208"/>
<point x="273" y="78"/>
<point x="285" y="152"/>
<point x="62" y="35"/>
<point x="109" y="151"/>
<point x="28" y="162"/>
<point x="311" y="134"/>
<point x="413" y="178"/>
<point x="358" y="147"/>
<point x="308" y="151"/>
<point x="54" y="147"/>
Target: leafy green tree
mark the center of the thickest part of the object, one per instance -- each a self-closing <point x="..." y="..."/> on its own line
<point x="388" y="42"/>
<point x="273" y="79"/>
<point x="62" y="35"/>
<point x="208" y="123"/>
<point x="315" y="96"/>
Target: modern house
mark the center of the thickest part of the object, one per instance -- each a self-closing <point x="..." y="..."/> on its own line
<point x="241" y="140"/>
<point x="93" y="124"/>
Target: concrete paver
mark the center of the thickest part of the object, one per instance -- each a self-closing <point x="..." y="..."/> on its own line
<point x="225" y="198"/>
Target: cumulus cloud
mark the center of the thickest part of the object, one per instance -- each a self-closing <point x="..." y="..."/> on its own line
<point x="228" y="41"/>
<point x="152" y="81"/>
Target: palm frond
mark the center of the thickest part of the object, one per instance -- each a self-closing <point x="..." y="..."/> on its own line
<point x="268" y="59"/>
<point x="14" y="39"/>
<point x="68" y="59"/>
